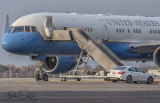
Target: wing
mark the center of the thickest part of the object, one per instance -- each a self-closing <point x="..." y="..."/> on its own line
<point x="144" y="47"/>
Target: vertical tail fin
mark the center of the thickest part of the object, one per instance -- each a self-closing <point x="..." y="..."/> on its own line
<point x="6" y="24"/>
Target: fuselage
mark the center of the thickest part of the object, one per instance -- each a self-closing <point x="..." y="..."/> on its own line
<point x="117" y="32"/>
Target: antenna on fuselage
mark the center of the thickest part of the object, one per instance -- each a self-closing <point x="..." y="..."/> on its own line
<point x="6" y="24"/>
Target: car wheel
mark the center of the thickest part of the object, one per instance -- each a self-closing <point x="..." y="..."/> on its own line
<point x="114" y="81"/>
<point x="135" y="82"/>
<point x="129" y="79"/>
<point x="149" y="80"/>
<point x="106" y="79"/>
<point x="78" y="79"/>
<point x="63" y="79"/>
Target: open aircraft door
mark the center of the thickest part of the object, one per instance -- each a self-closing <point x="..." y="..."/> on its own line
<point x="105" y="31"/>
<point x="48" y="27"/>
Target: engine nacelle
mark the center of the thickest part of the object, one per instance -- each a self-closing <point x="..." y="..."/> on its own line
<point x="156" y="57"/>
<point x="56" y="65"/>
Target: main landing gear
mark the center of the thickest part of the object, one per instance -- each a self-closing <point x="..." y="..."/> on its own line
<point x="40" y="74"/>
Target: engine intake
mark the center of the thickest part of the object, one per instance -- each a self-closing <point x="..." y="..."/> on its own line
<point x="156" y="57"/>
<point x="51" y="63"/>
<point x="56" y="65"/>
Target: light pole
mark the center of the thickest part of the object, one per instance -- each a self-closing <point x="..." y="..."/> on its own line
<point x="16" y="75"/>
<point x="10" y="71"/>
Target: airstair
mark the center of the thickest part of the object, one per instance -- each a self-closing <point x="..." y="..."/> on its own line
<point x="101" y="53"/>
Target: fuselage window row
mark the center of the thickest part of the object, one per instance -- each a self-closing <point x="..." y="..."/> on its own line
<point x="123" y="30"/>
<point x="88" y="29"/>
<point x="154" y="31"/>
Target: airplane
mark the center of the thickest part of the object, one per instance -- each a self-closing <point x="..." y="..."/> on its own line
<point x="57" y="41"/>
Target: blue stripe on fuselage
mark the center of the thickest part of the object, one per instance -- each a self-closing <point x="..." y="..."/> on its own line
<point x="26" y="43"/>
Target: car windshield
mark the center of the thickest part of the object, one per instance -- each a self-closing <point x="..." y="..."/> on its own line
<point x="120" y="68"/>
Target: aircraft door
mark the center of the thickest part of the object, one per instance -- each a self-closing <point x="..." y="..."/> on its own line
<point x="105" y="31"/>
<point x="48" y="27"/>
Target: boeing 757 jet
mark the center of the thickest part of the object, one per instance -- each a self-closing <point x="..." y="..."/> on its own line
<point x="58" y="41"/>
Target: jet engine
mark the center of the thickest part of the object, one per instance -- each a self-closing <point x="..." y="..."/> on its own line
<point x="156" y="57"/>
<point x="56" y="65"/>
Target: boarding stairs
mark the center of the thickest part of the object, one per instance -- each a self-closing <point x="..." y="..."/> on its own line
<point x="101" y="53"/>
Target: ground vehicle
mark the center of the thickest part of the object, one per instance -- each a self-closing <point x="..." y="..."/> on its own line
<point x="130" y="74"/>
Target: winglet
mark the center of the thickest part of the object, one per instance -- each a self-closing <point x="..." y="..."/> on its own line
<point x="6" y="24"/>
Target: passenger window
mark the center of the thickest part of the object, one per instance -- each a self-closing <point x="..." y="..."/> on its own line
<point x="122" y="30"/>
<point x="27" y="28"/>
<point x="19" y="29"/>
<point x="128" y="31"/>
<point x="150" y="31"/>
<point x="91" y="30"/>
<point x="139" y="70"/>
<point x="139" y="30"/>
<point x="132" y="69"/>
<point x="88" y="30"/>
<point x="117" y="30"/>
<point x="33" y="29"/>
<point x="134" y="31"/>
<point x="156" y="31"/>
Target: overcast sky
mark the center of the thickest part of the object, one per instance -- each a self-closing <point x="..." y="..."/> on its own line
<point x="18" y="8"/>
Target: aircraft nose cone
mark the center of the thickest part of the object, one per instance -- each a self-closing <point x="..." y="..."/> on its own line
<point x="9" y="44"/>
<point x="6" y="44"/>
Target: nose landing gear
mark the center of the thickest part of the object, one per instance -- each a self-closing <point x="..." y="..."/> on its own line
<point x="40" y="74"/>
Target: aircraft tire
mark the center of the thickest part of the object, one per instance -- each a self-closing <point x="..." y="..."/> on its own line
<point x="37" y="77"/>
<point x="78" y="79"/>
<point x="45" y="77"/>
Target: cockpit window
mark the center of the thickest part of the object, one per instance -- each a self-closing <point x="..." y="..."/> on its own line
<point x="19" y="29"/>
<point x="10" y="29"/>
<point x="33" y="29"/>
<point x="30" y="29"/>
<point x="27" y="29"/>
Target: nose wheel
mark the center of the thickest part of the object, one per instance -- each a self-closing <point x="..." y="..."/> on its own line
<point x="37" y="77"/>
<point x="43" y="77"/>
<point x="40" y="74"/>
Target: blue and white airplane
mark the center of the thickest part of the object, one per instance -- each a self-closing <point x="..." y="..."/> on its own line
<point x="131" y="38"/>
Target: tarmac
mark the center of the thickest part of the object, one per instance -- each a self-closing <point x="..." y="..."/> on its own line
<point x="86" y="91"/>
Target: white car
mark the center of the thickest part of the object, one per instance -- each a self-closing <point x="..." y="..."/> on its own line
<point x="129" y="74"/>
